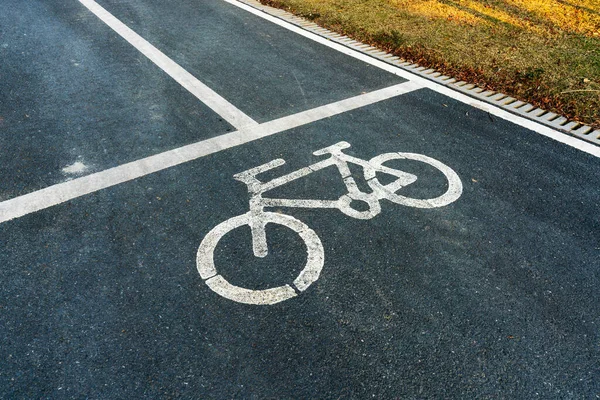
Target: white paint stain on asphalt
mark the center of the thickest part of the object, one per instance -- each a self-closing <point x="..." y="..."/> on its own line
<point x="75" y="169"/>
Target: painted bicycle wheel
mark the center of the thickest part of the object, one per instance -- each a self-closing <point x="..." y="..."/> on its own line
<point x="308" y="275"/>
<point x="388" y="191"/>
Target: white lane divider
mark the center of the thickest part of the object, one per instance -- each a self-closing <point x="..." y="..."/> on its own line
<point x="62" y="192"/>
<point x="205" y="94"/>
<point x="257" y="218"/>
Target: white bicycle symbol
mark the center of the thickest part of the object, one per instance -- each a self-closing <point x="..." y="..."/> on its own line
<point x="257" y="218"/>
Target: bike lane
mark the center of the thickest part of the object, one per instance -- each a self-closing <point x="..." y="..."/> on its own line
<point x="493" y="293"/>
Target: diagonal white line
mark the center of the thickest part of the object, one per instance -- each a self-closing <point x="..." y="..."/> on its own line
<point x="205" y="94"/>
<point x="56" y="194"/>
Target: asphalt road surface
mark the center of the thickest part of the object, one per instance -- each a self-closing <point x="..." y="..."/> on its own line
<point x="440" y="249"/>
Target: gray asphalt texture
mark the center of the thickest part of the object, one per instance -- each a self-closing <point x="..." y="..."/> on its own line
<point x="493" y="296"/>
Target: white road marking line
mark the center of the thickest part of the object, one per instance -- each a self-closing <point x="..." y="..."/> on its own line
<point x="205" y="94"/>
<point x="496" y="111"/>
<point x="56" y="194"/>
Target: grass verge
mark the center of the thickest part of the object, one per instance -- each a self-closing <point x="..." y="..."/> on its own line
<point x="545" y="52"/>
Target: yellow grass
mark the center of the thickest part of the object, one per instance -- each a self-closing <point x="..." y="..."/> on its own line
<point x="539" y="16"/>
<point x="576" y="16"/>
<point x="436" y="9"/>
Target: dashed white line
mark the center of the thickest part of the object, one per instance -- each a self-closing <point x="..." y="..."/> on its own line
<point x="205" y="94"/>
<point x="62" y="192"/>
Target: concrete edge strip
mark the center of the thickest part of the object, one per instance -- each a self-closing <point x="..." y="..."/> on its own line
<point x="500" y="100"/>
<point x="65" y="191"/>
